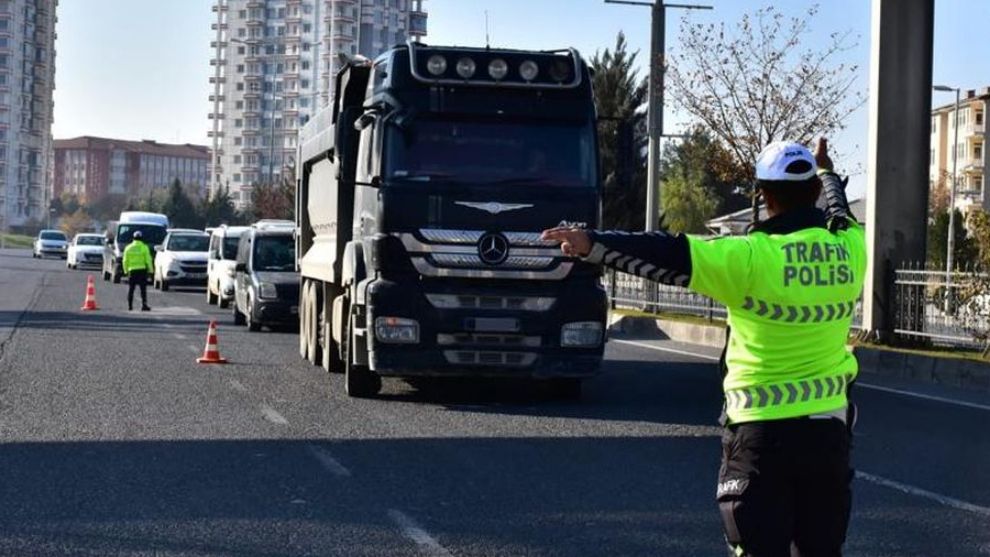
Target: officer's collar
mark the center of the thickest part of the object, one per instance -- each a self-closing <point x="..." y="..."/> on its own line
<point x="792" y="221"/>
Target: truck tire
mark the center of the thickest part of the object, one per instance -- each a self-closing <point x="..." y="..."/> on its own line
<point x="332" y="362"/>
<point x="211" y="298"/>
<point x="238" y="316"/>
<point x="359" y="381"/>
<point x="303" y="310"/>
<point x="312" y="299"/>
<point x="224" y="303"/>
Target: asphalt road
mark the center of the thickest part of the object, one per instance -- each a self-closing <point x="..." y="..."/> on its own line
<point x="113" y="441"/>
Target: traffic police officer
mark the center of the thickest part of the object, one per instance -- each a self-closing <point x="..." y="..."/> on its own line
<point x="790" y="287"/>
<point x="137" y="264"/>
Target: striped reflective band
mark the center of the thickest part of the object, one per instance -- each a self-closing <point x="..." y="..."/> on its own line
<point x="799" y="314"/>
<point x="762" y="396"/>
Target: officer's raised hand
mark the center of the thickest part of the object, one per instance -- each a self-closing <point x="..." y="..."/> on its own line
<point x="574" y="242"/>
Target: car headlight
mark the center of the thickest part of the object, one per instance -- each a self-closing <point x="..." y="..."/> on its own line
<point x="266" y="291"/>
<point x="397" y="330"/>
<point x="581" y="334"/>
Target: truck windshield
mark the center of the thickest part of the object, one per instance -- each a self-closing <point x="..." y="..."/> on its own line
<point x="151" y="234"/>
<point x="530" y="153"/>
<point x="189" y="243"/>
<point x="275" y="253"/>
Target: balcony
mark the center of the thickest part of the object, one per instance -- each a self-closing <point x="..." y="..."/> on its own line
<point x="214" y="61"/>
<point x="213" y="115"/>
<point x="219" y="7"/>
<point x="210" y="133"/>
<point x="214" y="80"/>
<point x="255" y="4"/>
<point x="215" y="26"/>
<point x="216" y="98"/>
<point x="220" y="44"/>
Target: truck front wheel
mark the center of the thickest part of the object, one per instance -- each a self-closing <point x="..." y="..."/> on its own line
<point x="311" y="299"/>
<point x="359" y="380"/>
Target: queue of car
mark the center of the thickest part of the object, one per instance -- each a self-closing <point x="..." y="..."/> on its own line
<point x="250" y="269"/>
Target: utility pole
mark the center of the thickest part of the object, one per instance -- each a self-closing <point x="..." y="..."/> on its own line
<point x="655" y="110"/>
<point x="951" y="242"/>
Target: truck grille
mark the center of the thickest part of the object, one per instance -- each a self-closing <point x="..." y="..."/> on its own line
<point x="480" y="358"/>
<point x="468" y="301"/>
<point x="488" y="339"/>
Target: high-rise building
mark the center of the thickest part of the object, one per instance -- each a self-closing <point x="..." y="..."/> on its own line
<point x="273" y="68"/>
<point x="91" y="167"/>
<point x="27" y="79"/>
<point x="972" y="158"/>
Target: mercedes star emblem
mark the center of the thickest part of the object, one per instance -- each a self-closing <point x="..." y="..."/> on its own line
<point x="493" y="248"/>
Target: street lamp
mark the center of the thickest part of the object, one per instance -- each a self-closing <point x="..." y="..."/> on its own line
<point x="951" y="243"/>
<point x="654" y="115"/>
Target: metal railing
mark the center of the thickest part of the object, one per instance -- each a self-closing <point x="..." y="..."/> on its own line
<point x="946" y="311"/>
<point x="632" y="292"/>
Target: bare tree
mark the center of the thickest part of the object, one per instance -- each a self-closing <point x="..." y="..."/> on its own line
<point x="758" y="82"/>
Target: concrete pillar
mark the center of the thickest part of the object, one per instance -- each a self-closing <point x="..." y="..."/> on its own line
<point x="900" y="131"/>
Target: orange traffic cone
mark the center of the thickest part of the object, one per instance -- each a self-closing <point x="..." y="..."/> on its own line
<point x="211" y="354"/>
<point x="90" y="303"/>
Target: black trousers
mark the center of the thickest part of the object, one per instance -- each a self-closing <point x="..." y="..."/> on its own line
<point x="783" y="488"/>
<point x="139" y="279"/>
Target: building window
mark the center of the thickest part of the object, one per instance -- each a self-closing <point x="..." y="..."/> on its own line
<point x="978" y="151"/>
<point x="978" y="183"/>
<point x="979" y="118"/>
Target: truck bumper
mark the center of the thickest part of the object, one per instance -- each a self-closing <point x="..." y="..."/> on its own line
<point x="470" y="336"/>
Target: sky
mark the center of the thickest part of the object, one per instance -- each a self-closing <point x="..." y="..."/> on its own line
<point x="139" y="69"/>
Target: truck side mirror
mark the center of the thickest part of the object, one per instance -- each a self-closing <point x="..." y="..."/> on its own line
<point x="365" y="120"/>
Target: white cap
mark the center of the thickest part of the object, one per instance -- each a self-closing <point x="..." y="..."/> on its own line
<point x="774" y="159"/>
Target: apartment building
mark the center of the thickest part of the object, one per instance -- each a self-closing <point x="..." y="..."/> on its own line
<point x="273" y="68"/>
<point x="27" y="79"/>
<point x="91" y="167"/>
<point x="970" y="151"/>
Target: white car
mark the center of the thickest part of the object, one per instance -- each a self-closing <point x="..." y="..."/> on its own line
<point x="220" y="270"/>
<point x="181" y="259"/>
<point x="85" y="249"/>
<point x="50" y="242"/>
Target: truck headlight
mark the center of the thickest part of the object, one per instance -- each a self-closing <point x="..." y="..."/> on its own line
<point x="581" y="334"/>
<point x="397" y="330"/>
<point x="266" y="291"/>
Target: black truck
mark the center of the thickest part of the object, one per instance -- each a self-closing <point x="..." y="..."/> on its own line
<point x="422" y="191"/>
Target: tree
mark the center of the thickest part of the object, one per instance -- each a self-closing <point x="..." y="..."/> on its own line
<point x="107" y="207"/>
<point x="218" y="209"/>
<point x="760" y="84"/>
<point x="620" y="98"/>
<point x="77" y="222"/>
<point x="700" y="181"/>
<point x="275" y="201"/>
<point x="179" y="209"/>
<point x="965" y="250"/>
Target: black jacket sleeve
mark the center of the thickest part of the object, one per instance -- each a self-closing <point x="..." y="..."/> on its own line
<point x="658" y="256"/>
<point x="837" y="212"/>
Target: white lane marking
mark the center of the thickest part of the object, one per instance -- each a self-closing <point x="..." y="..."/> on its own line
<point x="238" y="386"/>
<point x="416" y="533"/>
<point x="272" y="416"/>
<point x="194" y="349"/>
<point x="664" y="349"/>
<point x="179" y="336"/>
<point x="328" y="461"/>
<point x="923" y="396"/>
<point x="858" y="383"/>
<point x="917" y="491"/>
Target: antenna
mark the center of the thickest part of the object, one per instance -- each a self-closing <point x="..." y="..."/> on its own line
<point x="488" y="42"/>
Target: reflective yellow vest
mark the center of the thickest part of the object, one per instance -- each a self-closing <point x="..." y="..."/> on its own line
<point x="137" y="257"/>
<point x="790" y="299"/>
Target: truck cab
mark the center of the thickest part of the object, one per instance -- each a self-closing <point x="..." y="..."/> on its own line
<point x="422" y="194"/>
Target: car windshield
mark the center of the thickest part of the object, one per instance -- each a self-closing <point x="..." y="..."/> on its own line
<point x="274" y="253"/>
<point x="189" y="242"/>
<point x="541" y="153"/>
<point x="230" y="247"/>
<point x="52" y="236"/>
<point x="150" y="233"/>
<point x="89" y="241"/>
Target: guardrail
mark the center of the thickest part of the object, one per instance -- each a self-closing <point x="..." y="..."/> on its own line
<point x="947" y="311"/>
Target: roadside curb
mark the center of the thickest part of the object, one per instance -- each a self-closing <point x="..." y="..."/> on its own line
<point x="665" y="329"/>
<point x="955" y="372"/>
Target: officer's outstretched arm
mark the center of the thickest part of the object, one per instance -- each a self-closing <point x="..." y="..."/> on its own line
<point x="658" y="256"/>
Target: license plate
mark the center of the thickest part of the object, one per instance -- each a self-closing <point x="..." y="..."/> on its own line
<point x="492" y="324"/>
